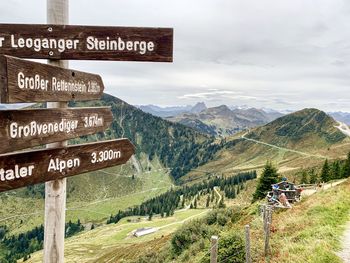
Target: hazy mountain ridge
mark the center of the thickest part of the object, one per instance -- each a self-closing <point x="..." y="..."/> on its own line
<point x="164" y="111"/>
<point x="200" y="106"/>
<point x="223" y="121"/>
<point x="341" y="116"/>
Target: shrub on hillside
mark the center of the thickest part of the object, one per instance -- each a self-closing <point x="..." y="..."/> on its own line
<point x="230" y="249"/>
<point x="187" y="235"/>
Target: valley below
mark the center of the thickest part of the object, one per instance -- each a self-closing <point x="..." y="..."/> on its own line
<point x="178" y="179"/>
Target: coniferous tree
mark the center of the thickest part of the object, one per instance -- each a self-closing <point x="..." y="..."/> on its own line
<point x="325" y="174"/>
<point x="336" y="171"/>
<point x="268" y="178"/>
<point x="312" y="176"/>
<point x="304" y="178"/>
<point x="195" y="203"/>
<point x="346" y="167"/>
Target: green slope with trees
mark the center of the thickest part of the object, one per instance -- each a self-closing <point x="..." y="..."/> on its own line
<point x="309" y="128"/>
<point x="177" y="147"/>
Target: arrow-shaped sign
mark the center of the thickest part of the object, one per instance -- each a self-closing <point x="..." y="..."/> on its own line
<point x="20" y="129"/>
<point x="28" y="168"/>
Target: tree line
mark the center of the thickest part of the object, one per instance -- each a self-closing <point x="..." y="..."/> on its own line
<point x="22" y="245"/>
<point x="166" y="203"/>
<point x="331" y="170"/>
<point x="335" y="170"/>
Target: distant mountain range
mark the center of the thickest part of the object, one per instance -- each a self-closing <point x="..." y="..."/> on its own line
<point x="164" y="111"/>
<point x="215" y="121"/>
<point x="224" y="120"/>
<point x="341" y="116"/>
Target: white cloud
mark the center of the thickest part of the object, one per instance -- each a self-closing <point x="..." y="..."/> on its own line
<point x="271" y="53"/>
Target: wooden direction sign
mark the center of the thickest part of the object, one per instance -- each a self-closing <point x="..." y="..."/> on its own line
<point x="28" y="168"/>
<point x="26" y="81"/>
<point x="87" y="42"/>
<point x="20" y="129"/>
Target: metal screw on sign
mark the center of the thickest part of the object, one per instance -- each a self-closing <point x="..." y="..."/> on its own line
<point x="51" y="53"/>
<point x="50" y="29"/>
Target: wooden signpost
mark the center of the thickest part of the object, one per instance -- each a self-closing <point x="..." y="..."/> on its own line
<point x="87" y="42"/>
<point x="33" y="167"/>
<point x="27" y="81"/>
<point x="20" y="129"/>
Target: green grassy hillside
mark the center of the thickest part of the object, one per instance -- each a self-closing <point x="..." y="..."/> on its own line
<point x="307" y="129"/>
<point x="176" y="146"/>
<point x="92" y="197"/>
<point x="159" y="143"/>
<point x="112" y="242"/>
<point x="310" y="232"/>
<point x="298" y="140"/>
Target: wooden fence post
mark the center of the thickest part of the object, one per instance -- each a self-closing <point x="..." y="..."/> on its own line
<point x="214" y="249"/>
<point x="267" y="240"/>
<point x="248" y="257"/>
<point x="267" y="223"/>
<point x="265" y="217"/>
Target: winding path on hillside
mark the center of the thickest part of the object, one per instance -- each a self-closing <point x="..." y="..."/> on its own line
<point x="217" y="192"/>
<point x="343" y="128"/>
<point x="282" y="148"/>
<point x="185" y="220"/>
<point x="344" y="254"/>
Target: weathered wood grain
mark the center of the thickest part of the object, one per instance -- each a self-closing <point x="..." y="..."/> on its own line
<point x="20" y="129"/>
<point x="56" y="191"/>
<point x="27" y="81"/>
<point x="33" y="167"/>
<point x="79" y="42"/>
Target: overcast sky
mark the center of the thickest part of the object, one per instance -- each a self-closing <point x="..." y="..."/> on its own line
<point x="262" y="53"/>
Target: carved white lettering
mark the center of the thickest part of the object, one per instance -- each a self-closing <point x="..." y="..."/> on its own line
<point x="60" y="165"/>
<point x="16" y="173"/>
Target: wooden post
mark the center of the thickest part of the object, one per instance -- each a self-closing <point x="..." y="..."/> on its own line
<point x="270" y="209"/>
<point x="267" y="223"/>
<point x="263" y="212"/>
<point x="248" y="257"/>
<point x="267" y="240"/>
<point x="214" y="249"/>
<point x="55" y="191"/>
<point x="264" y="215"/>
